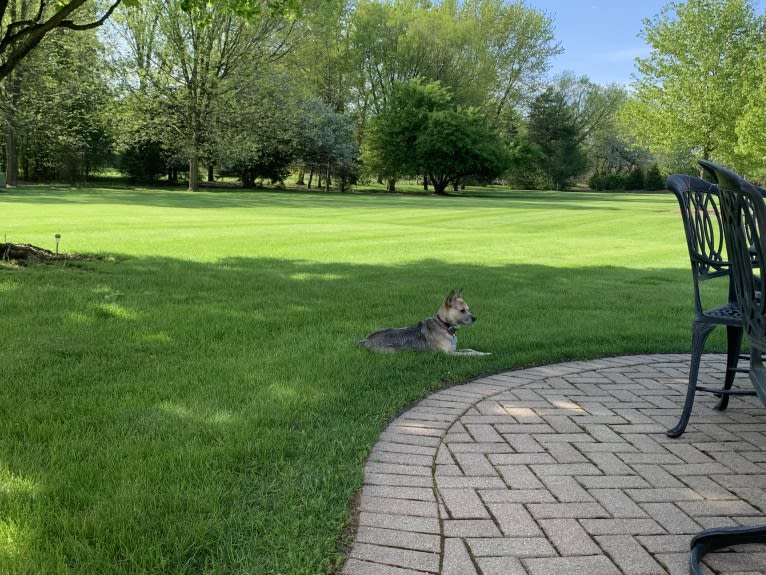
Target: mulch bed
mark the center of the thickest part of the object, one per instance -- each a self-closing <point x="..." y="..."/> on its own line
<point x="25" y="254"/>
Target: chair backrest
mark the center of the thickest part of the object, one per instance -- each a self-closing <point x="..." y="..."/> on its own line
<point x="700" y="205"/>
<point x="744" y="216"/>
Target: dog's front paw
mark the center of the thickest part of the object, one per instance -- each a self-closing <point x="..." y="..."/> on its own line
<point x="470" y="352"/>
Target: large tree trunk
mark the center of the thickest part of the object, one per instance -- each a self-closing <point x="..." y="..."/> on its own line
<point x="440" y="185"/>
<point x="12" y="166"/>
<point x="11" y="158"/>
<point x="193" y="172"/>
<point x="247" y="178"/>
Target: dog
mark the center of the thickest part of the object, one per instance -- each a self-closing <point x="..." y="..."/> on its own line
<point x="436" y="333"/>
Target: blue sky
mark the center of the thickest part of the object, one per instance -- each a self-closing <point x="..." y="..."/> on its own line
<point x="600" y="37"/>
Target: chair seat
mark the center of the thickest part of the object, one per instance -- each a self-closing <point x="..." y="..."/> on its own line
<point x="728" y="314"/>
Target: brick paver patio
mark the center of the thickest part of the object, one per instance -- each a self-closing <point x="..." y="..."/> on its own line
<point x="564" y="469"/>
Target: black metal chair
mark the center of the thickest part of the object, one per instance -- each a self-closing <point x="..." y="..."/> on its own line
<point x="699" y="201"/>
<point x="744" y="216"/>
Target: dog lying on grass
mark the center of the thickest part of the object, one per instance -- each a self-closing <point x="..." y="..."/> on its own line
<point x="436" y="333"/>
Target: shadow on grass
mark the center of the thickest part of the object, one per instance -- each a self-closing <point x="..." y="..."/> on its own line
<point x="160" y="415"/>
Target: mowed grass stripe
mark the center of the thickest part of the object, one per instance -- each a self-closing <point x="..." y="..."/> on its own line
<point x="196" y="402"/>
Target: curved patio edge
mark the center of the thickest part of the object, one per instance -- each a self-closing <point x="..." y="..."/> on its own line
<point x="562" y="468"/>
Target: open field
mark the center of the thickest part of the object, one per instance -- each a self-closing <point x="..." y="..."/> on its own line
<point x="194" y="401"/>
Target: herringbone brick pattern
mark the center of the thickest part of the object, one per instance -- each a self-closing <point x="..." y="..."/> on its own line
<point x="564" y="469"/>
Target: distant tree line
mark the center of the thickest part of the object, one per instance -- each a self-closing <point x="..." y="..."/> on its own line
<point x="451" y="93"/>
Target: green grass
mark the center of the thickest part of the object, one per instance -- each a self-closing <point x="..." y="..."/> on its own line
<point x="194" y="402"/>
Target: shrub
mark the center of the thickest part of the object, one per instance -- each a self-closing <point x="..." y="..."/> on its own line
<point x="610" y="181"/>
<point x="635" y="179"/>
<point x="597" y="181"/>
<point x="143" y="162"/>
<point x="654" y="179"/>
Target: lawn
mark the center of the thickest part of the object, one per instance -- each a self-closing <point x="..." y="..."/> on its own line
<point x="193" y="400"/>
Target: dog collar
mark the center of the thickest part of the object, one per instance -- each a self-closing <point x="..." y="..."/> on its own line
<point x="451" y="329"/>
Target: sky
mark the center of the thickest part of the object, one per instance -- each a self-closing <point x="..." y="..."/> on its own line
<point x="601" y="37"/>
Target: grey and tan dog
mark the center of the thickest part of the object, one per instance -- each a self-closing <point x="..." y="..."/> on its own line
<point x="436" y="333"/>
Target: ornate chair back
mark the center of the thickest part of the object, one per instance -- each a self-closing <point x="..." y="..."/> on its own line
<point x="744" y="220"/>
<point x="700" y="205"/>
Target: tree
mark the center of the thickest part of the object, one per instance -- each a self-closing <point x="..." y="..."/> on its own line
<point x="320" y="60"/>
<point x="392" y="42"/>
<point x="654" y="179"/>
<point x="751" y="125"/>
<point x="594" y="107"/>
<point x="24" y="24"/>
<point x="692" y="87"/>
<point x="253" y="129"/>
<point x="421" y="131"/>
<point x="487" y="53"/>
<point x="261" y="128"/>
<point x="609" y="152"/>
<point x="458" y="143"/>
<point x="519" y="43"/>
<point x="554" y="131"/>
<point x="327" y="143"/>
<point x="612" y="153"/>
<point x="392" y="134"/>
<point x="57" y="113"/>
<point x="187" y="62"/>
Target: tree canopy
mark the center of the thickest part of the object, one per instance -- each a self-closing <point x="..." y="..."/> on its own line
<point x="554" y="131"/>
<point x="693" y="86"/>
<point x="23" y="25"/>
<point x="422" y="132"/>
<point x="261" y="89"/>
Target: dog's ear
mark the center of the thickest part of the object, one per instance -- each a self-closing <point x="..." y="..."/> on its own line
<point x="452" y="296"/>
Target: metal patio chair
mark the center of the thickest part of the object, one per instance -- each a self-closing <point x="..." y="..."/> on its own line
<point x="699" y="201"/>
<point x="744" y="216"/>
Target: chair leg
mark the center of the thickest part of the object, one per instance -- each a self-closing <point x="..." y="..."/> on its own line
<point x="720" y="537"/>
<point x="733" y="342"/>
<point x="700" y="332"/>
